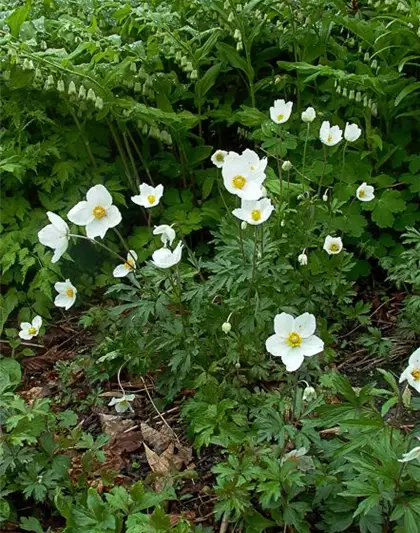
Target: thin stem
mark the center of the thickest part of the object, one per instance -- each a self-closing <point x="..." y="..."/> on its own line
<point x="279" y="169"/>
<point x="130" y="156"/>
<point x="254" y="261"/>
<point x="295" y="393"/>
<point x="122" y="155"/>
<point x="125" y="245"/>
<point x="288" y="186"/>
<point x="85" y="140"/>
<point x="241" y="242"/>
<point x="323" y="169"/>
<point x="119" y="380"/>
<point x="262" y="239"/>
<point x="304" y="149"/>
<point x="143" y="162"/>
<point x="99" y="244"/>
<point x="221" y="194"/>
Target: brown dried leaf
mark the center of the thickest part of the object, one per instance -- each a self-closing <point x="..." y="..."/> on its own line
<point x="160" y="465"/>
<point x="157" y="440"/>
<point x="114" y="425"/>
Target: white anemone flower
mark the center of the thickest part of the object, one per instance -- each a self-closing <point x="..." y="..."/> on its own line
<point x="280" y="112"/>
<point x="294" y="455"/>
<point x="294" y="339"/>
<point x="308" y="115"/>
<point x="412" y="372"/>
<point x="302" y="259"/>
<point x="30" y="329"/>
<point x="66" y="294"/>
<point x="165" y="258"/>
<point x="122" y="270"/>
<point x="352" y="132"/>
<point x="333" y="245"/>
<point x="149" y="196"/>
<point x="218" y="158"/>
<point x="309" y="394"/>
<point x="412" y="455"/>
<point x="96" y="213"/>
<point x="254" y="212"/>
<point x="167" y="234"/>
<point x="239" y="179"/>
<point x="55" y="235"/>
<point x="122" y="404"/>
<point x="365" y="192"/>
<point x="330" y="136"/>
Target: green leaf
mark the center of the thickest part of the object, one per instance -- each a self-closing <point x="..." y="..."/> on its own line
<point x="17" y="18"/>
<point x="10" y="374"/>
<point x="199" y="153"/>
<point x="206" y="82"/>
<point x="389" y="203"/>
<point x="31" y="524"/>
<point x="406" y="91"/>
<point x="233" y="58"/>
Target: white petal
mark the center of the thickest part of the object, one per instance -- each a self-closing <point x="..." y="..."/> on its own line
<point x="311" y="346"/>
<point x="415" y="359"/>
<point x="120" y="271"/>
<point x="25" y="325"/>
<point x="121" y="407"/>
<point x="139" y="199"/>
<point x="162" y="258"/>
<point x="146" y="189"/>
<point x="97" y="228"/>
<point x="61" y="286"/>
<point x="305" y="325"/>
<point x="59" y="251"/>
<point x="50" y="236"/>
<point x="275" y="345"/>
<point x="415" y="383"/>
<point x="58" y="222"/>
<point x="132" y="255"/>
<point x="37" y="322"/>
<point x="113" y="401"/>
<point x="293" y="359"/>
<point x="284" y="324"/>
<point x="81" y="214"/>
<point x="158" y="192"/>
<point x="113" y="216"/>
<point x="251" y="191"/>
<point x="99" y="196"/>
<point x="241" y="214"/>
<point x="404" y="374"/>
<point x="25" y="335"/>
<point x="61" y="300"/>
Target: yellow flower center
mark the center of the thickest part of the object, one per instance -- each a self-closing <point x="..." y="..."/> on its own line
<point x="416" y="374"/>
<point x="99" y="212"/>
<point x="255" y="215"/>
<point x="32" y="331"/>
<point x="329" y="138"/>
<point x="280" y="117"/>
<point x="129" y="265"/>
<point x="70" y="293"/>
<point x="294" y="339"/>
<point x="220" y="157"/>
<point x="151" y="198"/>
<point x="239" y="182"/>
<point x="334" y="247"/>
<point x="362" y="193"/>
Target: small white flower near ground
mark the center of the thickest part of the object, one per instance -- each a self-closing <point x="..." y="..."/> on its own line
<point x="165" y="258"/>
<point x="123" y="270"/>
<point x="123" y="404"/>
<point x="28" y="330"/>
<point x="412" y="373"/>
<point x="167" y="234"/>
<point x="66" y="294"/>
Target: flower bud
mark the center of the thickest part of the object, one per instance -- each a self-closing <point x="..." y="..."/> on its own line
<point x="71" y="89"/>
<point x="91" y="96"/>
<point x="308" y="115"/>
<point x="137" y="87"/>
<point x="365" y="101"/>
<point x="49" y="82"/>
<point x="351" y="94"/>
<point x="283" y="223"/>
<point x="338" y="90"/>
<point x="358" y="96"/>
<point x="345" y="92"/>
<point x="43" y="45"/>
<point x="243" y="225"/>
<point x="230" y="17"/>
<point x="374" y="64"/>
<point x="366" y="57"/>
<point x="325" y="196"/>
<point x="145" y="129"/>
<point x="194" y="75"/>
<point x="237" y="365"/>
<point x="237" y="35"/>
<point x="287" y="165"/>
<point x="99" y="103"/>
<point x="309" y="394"/>
<point x="60" y="86"/>
<point x="239" y="46"/>
<point x="226" y="327"/>
<point x="303" y="259"/>
<point x="82" y="92"/>
<point x="133" y="67"/>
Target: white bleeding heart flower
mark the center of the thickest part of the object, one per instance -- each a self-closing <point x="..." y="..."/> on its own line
<point x="96" y="213"/>
<point x="149" y="196"/>
<point x="55" y="235"/>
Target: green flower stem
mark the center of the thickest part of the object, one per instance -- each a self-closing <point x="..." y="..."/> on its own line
<point x="101" y="245"/>
<point x="122" y="155"/>
<point x="254" y="261"/>
<point x="295" y="382"/>
<point x="279" y="170"/>
<point x="130" y="157"/>
<point x="304" y="152"/>
<point x="241" y="242"/>
<point x="323" y="169"/>
<point x="143" y="162"/>
<point x="221" y="193"/>
<point x="121" y="238"/>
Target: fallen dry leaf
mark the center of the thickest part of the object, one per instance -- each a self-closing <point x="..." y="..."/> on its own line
<point x="114" y="425"/>
<point x="157" y="440"/>
<point x="160" y="465"/>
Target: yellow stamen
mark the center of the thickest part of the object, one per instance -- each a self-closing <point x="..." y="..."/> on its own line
<point x="255" y="215"/>
<point x="294" y="339"/>
<point x="361" y="193"/>
<point x="239" y="182"/>
<point x="334" y="247"/>
<point x="70" y="293"/>
<point x="280" y="117"/>
<point x="32" y="331"/>
<point x="129" y="265"/>
<point x="416" y="374"/>
<point x="151" y="198"/>
<point x="329" y="138"/>
<point x="99" y="212"/>
<point x="220" y="157"/>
